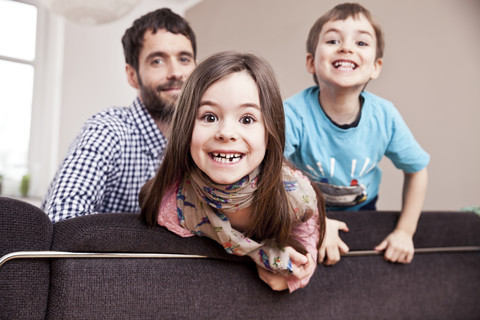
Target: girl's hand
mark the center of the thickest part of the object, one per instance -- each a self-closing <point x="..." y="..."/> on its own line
<point x="276" y="281"/>
<point x="398" y="247"/>
<point x="332" y="246"/>
<point x="302" y="265"/>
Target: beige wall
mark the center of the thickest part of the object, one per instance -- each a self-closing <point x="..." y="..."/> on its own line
<point x="431" y="72"/>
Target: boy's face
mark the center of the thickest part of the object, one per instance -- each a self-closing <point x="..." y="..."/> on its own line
<point x="345" y="54"/>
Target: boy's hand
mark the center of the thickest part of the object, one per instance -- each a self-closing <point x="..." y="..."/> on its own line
<point x="398" y="247"/>
<point x="332" y="246"/>
<point x="302" y="266"/>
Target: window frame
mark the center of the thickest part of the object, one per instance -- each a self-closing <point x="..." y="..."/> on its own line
<point x="45" y="109"/>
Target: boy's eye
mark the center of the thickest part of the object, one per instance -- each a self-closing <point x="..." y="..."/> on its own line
<point x="362" y="43"/>
<point x="333" y="41"/>
<point x="247" y="120"/>
<point x="209" y="117"/>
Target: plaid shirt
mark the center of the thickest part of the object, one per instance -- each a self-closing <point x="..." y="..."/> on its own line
<point x="116" y="152"/>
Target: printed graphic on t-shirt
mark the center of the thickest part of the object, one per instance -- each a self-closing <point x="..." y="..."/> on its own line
<point x="350" y="194"/>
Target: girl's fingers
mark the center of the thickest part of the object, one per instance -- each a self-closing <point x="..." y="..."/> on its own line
<point x="296" y="257"/>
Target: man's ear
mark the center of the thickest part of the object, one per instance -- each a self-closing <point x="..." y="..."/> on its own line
<point x="310" y="63"/>
<point x="377" y="67"/>
<point x="132" y="76"/>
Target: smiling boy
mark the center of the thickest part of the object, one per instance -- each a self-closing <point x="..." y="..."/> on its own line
<point x="337" y="132"/>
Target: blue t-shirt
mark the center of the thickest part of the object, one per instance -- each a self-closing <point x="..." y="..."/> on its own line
<point x="344" y="162"/>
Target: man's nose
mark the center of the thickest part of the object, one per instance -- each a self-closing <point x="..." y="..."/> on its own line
<point x="175" y="71"/>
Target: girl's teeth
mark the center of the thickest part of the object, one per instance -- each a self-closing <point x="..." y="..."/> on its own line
<point x="226" y="157"/>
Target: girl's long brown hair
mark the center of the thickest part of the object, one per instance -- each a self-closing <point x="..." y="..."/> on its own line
<point x="271" y="215"/>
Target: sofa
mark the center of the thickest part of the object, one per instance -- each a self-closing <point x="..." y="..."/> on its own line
<point x="111" y="266"/>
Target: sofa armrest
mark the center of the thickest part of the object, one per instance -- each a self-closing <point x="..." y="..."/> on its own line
<point x="24" y="284"/>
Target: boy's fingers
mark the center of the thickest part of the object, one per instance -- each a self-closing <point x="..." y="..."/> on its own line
<point x="321" y="254"/>
<point x="333" y="256"/>
<point x="382" y="246"/>
<point x="343" y="247"/>
<point x="342" y="226"/>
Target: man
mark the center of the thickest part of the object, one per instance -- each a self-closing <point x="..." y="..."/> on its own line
<point x="120" y="148"/>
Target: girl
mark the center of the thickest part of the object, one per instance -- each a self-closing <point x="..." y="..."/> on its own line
<point x="223" y="175"/>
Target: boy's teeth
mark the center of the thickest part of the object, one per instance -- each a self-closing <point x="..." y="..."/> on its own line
<point x="344" y="64"/>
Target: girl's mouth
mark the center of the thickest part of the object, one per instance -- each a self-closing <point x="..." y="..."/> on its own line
<point x="226" y="157"/>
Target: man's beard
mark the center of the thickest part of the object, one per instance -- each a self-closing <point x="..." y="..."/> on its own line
<point x="160" y="109"/>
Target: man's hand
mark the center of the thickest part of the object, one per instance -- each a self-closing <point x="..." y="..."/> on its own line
<point x="332" y="246"/>
<point x="398" y="247"/>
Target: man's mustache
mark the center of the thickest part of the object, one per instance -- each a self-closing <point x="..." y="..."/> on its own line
<point x="170" y="84"/>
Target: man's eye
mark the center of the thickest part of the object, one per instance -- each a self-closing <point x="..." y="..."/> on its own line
<point x="247" y="120"/>
<point x="185" y="60"/>
<point x="209" y="117"/>
<point x="157" y="61"/>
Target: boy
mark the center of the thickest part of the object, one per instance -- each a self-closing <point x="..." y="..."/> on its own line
<point x="338" y="133"/>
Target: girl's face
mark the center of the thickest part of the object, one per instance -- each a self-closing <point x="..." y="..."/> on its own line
<point x="229" y="138"/>
<point x="346" y="54"/>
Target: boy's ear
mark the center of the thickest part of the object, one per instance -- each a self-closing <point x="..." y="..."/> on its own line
<point x="132" y="76"/>
<point x="310" y="63"/>
<point x="377" y="67"/>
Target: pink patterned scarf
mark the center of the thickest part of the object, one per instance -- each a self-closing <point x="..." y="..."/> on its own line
<point x="201" y="203"/>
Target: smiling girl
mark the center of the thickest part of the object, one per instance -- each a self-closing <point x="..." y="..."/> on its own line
<point x="223" y="175"/>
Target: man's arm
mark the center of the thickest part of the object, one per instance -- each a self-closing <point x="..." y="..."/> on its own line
<point x="79" y="185"/>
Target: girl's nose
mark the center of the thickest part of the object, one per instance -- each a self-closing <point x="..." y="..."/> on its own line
<point x="226" y="132"/>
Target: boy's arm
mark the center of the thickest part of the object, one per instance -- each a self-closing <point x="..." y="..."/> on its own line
<point x="398" y="245"/>
<point x="333" y="246"/>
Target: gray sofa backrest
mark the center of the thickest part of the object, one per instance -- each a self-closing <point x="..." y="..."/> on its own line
<point x="434" y="286"/>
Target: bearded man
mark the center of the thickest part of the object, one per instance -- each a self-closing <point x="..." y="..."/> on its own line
<point x="120" y="148"/>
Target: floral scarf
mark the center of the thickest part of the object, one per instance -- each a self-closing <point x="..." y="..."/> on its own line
<point x="201" y="203"/>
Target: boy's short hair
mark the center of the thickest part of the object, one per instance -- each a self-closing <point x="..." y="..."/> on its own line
<point x="164" y="18"/>
<point x="342" y="12"/>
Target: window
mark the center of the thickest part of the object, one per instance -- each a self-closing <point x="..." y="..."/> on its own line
<point x="18" y="34"/>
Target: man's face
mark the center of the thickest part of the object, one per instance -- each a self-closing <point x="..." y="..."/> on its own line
<point x="165" y="61"/>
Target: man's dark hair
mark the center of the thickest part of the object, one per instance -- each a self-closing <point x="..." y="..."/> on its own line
<point x="165" y="18"/>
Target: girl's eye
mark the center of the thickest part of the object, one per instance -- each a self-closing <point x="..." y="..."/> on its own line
<point x="209" y="117"/>
<point x="362" y="43"/>
<point x="247" y="120"/>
